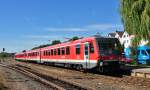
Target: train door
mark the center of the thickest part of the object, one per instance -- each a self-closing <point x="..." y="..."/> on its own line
<point x="86" y="55"/>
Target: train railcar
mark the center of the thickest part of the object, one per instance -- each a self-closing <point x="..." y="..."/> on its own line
<point x="102" y="53"/>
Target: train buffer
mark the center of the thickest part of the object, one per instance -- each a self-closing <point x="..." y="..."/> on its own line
<point x="142" y="72"/>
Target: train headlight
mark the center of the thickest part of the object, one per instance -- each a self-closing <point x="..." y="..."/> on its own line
<point x="101" y="63"/>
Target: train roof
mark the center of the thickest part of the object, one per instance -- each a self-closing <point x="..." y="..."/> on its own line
<point x="69" y="42"/>
<point x="78" y="41"/>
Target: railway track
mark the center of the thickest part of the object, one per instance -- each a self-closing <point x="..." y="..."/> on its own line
<point x="52" y="83"/>
<point x="124" y="79"/>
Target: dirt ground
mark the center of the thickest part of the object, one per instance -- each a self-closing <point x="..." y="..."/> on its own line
<point x="16" y="81"/>
<point x="2" y="81"/>
<point x="12" y="80"/>
<point x="93" y="81"/>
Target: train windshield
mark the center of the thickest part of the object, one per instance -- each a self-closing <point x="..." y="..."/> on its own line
<point x="109" y="46"/>
<point x="148" y="51"/>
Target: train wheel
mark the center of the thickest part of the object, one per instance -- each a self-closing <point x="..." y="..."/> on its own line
<point x="79" y="67"/>
<point x="100" y="69"/>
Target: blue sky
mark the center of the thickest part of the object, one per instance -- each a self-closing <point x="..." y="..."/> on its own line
<point x="28" y="23"/>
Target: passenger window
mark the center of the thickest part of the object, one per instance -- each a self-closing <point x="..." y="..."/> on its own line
<point x="143" y="52"/>
<point x="62" y="51"/>
<point x="77" y="49"/>
<point x="49" y="52"/>
<point x="68" y="50"/>
<point x="55" y="53"/>
<point x="52" y="52"/>
<point x="91" y="48"/>
<point x="44" y="53"/>
<point x="58" y="51"/>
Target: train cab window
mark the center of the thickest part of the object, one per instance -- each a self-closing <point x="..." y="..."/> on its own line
<point x="52" y="52"/>
<point x="91" y="48"/>
<point x="58" y="51"/>
<point x="77" y="49"/>
<point x="68" y="50"/>
<point x="55" y="53"/>
<point x="63" y="51"/>
<point x="143" y="52"/>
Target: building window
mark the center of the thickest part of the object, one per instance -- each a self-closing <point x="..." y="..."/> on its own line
<point x="62" y="51"/>
<point x="124" y="36"/>
<point x="58" y="51"/>
<point x="91" y="48"/>
<point x="77" y="49"/>
<point x="125" y="42"/>
<point x="68" y="50"/>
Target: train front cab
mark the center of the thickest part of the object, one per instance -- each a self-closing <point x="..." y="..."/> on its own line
<point x="109" y="50"/>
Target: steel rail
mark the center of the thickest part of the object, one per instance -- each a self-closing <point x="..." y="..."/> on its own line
<point x="34" y="76"/>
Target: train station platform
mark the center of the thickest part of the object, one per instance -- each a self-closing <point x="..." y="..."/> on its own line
<point x="142" y="72"/>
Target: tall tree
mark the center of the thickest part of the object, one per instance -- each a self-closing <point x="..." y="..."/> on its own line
<point x="136" y="18"/>
<point x="56" y="42"/>
<point x="74" y="38"/>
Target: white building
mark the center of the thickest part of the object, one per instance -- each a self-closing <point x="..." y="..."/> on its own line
<point x="124" y="38"/>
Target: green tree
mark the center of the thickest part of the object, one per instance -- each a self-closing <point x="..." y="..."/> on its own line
<point x="56" y="42"/>
<point x="45" y="45"/>
<point x="74" y="38"/>
<point x="136" y="18"/>
<point x="4" y="55"/>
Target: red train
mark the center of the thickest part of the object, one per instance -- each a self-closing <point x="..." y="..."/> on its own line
<point x="93" y="52"/>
